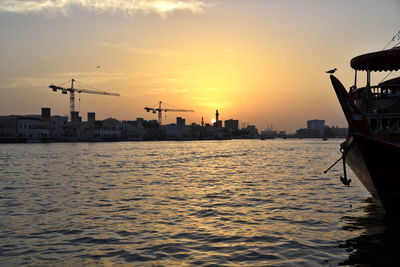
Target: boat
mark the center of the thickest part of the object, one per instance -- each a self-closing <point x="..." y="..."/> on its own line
<point x="372" y="148"/>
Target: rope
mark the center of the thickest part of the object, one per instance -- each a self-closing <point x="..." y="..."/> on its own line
<point x="386" y="77"/>
<point x="392" y="40"/>
<point x="169" y="106"/>
<point x="64" y="83"/>
<point x="85" y="85"/>
<point x="333" y="164"/>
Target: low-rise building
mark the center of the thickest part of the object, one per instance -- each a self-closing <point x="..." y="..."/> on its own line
<point x="33" y="129"/>
<point x="8" y="128"/>
<point x="58" y="125"/>
<point x="108" y="129"/>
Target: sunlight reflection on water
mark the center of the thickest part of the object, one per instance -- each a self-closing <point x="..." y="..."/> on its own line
<point x="226" y="203"/>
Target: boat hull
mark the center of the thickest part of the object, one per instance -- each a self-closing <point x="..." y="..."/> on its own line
<point x="374" y="161"/>
<point x="376" y="164"/>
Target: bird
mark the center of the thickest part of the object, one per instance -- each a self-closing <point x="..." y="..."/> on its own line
<point x="98" y="67"/>
<point x="332" y="71"/>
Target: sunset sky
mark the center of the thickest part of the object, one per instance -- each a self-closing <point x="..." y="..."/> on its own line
<point x="262" y="62"/>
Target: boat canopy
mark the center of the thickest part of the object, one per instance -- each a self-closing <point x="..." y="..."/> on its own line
<point x="386" y="60"/>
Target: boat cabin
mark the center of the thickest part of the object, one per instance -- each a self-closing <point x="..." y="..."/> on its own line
<point x="379" y="103"/>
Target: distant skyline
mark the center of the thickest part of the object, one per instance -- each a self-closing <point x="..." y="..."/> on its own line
<point x="261" y="62"/>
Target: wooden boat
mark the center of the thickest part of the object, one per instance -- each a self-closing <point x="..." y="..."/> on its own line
<point x="372" y="149"/>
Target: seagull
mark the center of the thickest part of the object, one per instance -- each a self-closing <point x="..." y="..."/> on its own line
<point x="332" y="71"/>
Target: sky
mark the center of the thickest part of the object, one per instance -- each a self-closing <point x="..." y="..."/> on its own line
<point x="259" y="61"/>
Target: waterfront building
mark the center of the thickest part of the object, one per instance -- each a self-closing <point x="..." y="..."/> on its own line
<point x="231" y="124"/>
<point x="47" y="128"/>
<point x="75" y="116"/>
<point x="269" y="134"/>
<point x="176" y="132"/>
<point x="308" y="133"/>
<point x="319" y="125"/>
<point x="337" y="132"/>
<point x="108" y="129"/>
<point x="58" y="124"/>
<point x="33" y="129"/>
<point x="180" y="121"/>
<point x="318" y="129"/>
<point x="251" y="132"/>
<point x="8" y="128"/>
<point x="133" y="130"/>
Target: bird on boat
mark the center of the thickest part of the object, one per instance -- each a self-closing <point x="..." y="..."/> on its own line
<point x="332" y="71"/>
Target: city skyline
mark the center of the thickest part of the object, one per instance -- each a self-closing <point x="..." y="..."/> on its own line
<point x="46" y="127"/>
<point x="258" y="62"/>
<point x="76" y="116"/>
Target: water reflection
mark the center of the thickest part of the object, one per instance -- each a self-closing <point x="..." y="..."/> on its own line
<point x="208" y="203"/>
<point x="379" y="243"/>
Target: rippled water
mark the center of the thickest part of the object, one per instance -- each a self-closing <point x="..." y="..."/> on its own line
<point x="206" y="203"/>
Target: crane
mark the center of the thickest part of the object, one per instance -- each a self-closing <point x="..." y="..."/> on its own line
<point x="159" y="110"/>
<point x="73" y="90"/>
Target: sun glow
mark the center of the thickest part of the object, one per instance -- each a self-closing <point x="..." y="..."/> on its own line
<point x="213" y="121"/>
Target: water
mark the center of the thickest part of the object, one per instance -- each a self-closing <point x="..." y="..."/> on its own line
<point x="206" y="203"/>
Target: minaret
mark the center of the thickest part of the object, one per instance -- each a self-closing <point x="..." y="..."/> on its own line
<point x="216" y="116"/>
<point x="202" y="121"/>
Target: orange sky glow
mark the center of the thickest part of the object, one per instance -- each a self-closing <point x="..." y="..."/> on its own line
<point x="261" y="62"/>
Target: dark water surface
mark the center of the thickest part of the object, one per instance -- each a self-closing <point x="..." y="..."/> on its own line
<point x="207" y="203"/>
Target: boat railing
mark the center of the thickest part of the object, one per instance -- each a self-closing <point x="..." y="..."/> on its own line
<point x="377" y="91"/>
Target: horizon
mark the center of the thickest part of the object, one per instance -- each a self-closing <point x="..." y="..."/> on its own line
<point x="261" y="63"/>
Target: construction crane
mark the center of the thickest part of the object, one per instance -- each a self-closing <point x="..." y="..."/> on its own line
<point x="73" y="90"/>
<point x="160" y="110"/>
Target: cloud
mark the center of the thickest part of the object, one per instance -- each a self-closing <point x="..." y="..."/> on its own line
<point x="128" y="7"/>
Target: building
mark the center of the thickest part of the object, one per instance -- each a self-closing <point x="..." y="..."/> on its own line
<point x="133" y="130"/>
<point x="315" y="124"/>
<point x="336" y="132"/>
<point x="47" y="128"/>
<point x="75" y="116"/>
<point x="318" y="129"/>
<point x="108" y="129"/>
<point x="231" y="124"/>
<point x="308" y="133"/>
<point x="251" y="131"/>
<point x="180" y="121"/>
<point x="8" y="128"/>
<point x="319" y="125"/>
<point x="217" y="123"/>
<point x="58" y="124"/>
<point x="269" y="134"/>
<point x="33" y="129"/>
